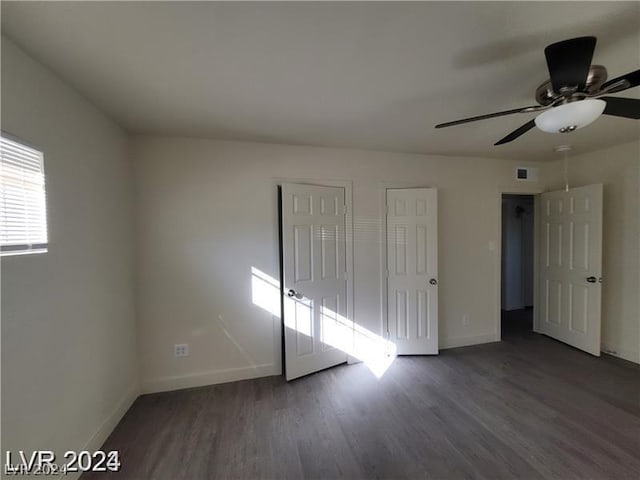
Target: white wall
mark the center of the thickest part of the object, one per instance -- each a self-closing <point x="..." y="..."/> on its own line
<point x="69" y="366"/>
<point x="207" y="214"/>
<point x="618" y="169"/>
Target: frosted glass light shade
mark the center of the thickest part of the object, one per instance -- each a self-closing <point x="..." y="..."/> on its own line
<point x="570" y="116"/>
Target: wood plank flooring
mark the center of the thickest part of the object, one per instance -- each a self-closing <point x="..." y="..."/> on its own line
<point x="528" y="407"/>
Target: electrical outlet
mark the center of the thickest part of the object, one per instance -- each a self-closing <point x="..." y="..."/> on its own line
<point x="465" y="319"/>
<point x="181" y="350"/>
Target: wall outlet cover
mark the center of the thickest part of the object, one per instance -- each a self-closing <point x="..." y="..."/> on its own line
<point x="181" y="350"/>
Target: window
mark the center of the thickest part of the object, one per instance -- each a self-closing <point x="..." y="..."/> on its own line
<point x="23" y="213"/>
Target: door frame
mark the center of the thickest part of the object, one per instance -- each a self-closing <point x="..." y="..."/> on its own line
<point x="524" y="190"/>
<point x="278" y="323"/>
<point x="384" y="280"/>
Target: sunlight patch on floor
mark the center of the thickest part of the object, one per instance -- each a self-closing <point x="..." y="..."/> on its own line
<point x="336" y="331"/>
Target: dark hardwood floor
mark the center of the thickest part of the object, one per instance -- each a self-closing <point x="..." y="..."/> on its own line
<point x="528" y="407"/>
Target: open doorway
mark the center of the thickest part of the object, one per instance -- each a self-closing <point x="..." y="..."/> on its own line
<point x="517" y="265"/>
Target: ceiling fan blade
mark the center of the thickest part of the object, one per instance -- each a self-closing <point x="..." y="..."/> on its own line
<point x="622" y="107"/>
<point x="492" y="115"/>
<point x="569" y="62"/>
<point x="516" y="133"/>
<point x="632" y="77"/>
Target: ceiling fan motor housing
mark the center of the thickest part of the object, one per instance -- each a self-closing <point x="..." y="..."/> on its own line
<point x="545" y="95"/>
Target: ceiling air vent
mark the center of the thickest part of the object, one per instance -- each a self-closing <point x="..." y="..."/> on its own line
<point x="526" y="174"/>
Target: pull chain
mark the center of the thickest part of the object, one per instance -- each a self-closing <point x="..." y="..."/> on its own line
<point x="566" y="172"/>
<point x="565" y="149"/>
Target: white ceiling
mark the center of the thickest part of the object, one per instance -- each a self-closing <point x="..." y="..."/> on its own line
<point x="368" y="75"/>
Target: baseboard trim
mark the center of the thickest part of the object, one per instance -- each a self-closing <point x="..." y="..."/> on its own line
<point x="455" y="342"/>
<point x="109" y="423"/>
<point x="178" y="382"/>
<point x="622" y="353"/>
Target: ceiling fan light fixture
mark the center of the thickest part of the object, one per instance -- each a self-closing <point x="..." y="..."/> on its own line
<point x="570" y="116"/>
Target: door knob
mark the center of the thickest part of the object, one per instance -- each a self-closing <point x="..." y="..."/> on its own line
<point x="292" y="293"/>
<point x="592" y="279"/>
<point x="433" y="281"/>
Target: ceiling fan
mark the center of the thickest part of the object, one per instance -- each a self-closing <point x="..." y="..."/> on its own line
<point x="573" y="97"/>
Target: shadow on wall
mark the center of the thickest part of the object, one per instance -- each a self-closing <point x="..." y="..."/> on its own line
<point x="338" y="332"/>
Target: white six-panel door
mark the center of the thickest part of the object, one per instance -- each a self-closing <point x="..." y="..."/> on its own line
<point x="317" y="333"/>
<point x="570" y="266"/>
<point x="412" y="263"/>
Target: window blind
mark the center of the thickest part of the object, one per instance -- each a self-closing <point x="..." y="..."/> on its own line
<point x="23" y="213"/>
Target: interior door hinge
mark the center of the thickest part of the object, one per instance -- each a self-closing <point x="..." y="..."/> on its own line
<point x="344" y="209"/>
